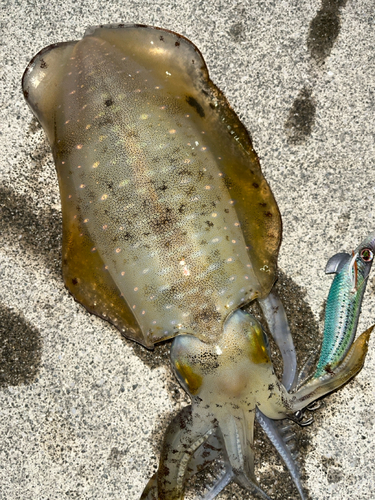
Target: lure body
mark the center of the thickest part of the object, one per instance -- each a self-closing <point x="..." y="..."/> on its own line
<point x="344" y="303"/>
<point x="169" y="228"/>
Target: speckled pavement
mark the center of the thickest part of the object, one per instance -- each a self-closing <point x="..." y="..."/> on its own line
<point x="82" y="410"/>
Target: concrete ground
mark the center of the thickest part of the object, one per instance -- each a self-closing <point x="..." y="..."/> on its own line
<point x="82" y="411"/>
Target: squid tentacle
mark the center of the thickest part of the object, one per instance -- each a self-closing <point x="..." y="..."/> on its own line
<point x="275" y="435"/>
<point x="275" y="315"/>
<point x="185" y="434"/>
<point x="277" y="321"/>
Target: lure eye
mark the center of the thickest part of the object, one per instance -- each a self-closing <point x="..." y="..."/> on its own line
<point x="366" y="255"/>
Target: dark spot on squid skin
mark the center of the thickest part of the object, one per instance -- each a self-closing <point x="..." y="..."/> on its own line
<point x="108" y="102"/>
<point x="207" y="316"/>
<point x="162" y="220"/>
<point x="182" y="423"/>
<point x="324" y="30"/>
<point x="227" y="182"/>
<point x="164" y="187"/>
<point x="91" y="196"/>
<point x="268" y="214"/>
<point x="127" y="236"/>
<point x="164" y="471"/>
<point x="200" y="175"/>
<point x="103" y="121"/>
<point x="195" y="104"/>
<point x="74" y="281"/>
<point x="132" y="133"/>
<point x="214" y="256"/>
<point x="256" y="185"/>
<point x="263" y="204"/>
<point x="209" y="224"/>
<point x="182" y="208"/>
<point x="161" y="38"/>
<point x="185" y="171"/>
<point x="20" y="347"/>
<point x="300" y="121"/>
<point x="177" y="43"/>
<point x="169" y="294"/>
<point x="43" y="64"/>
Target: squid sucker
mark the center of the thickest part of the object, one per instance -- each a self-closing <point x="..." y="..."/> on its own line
<point x="170" y="229"/>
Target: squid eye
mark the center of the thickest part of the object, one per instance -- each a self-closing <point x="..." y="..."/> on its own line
<point x="366" y="255"/>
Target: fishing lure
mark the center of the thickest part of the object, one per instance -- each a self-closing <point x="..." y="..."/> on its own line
<point x="169" y="229"/>
<point x="344" y="303"/>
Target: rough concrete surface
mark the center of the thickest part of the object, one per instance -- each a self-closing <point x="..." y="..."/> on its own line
<point x="82" y="411"/>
